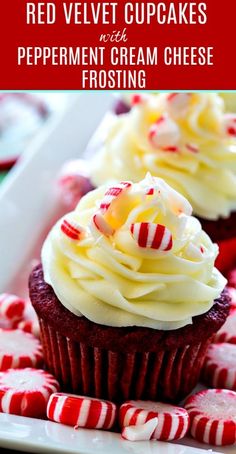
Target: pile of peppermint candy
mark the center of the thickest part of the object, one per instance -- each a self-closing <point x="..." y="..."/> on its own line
<point x="27" y="389"/>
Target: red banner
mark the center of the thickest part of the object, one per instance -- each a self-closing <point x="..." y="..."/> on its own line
<point x="117" y="45"/>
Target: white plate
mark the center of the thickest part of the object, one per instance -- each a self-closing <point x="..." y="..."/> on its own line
<point x="33" y="435"/>
<point x="26" y="205"/>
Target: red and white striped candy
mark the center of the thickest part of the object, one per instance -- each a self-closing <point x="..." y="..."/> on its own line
<point x="81" y="411"/>
<point x="29" y="326"/>
<point x="173" y="422"/>
<point x="113" y="193"/>
<point x="227" y="332"/>
<point x="25" y="392"/>
<point x="232" y="278"/>
<point x="230" y="124"/>
<point x="72" y="230"/>
<point x="102" y="225"/>
<point x="164" y="133"/>
<point x="142" y="432"/>
<point x="11" y="307"/>
<point x="219" y="370"/>
<point x="154" y="236"/>
<point x="19" y="349"/>
<point x="213" y="416"/>
<point x="29" y="323"/>
<point x="178" y="103"/>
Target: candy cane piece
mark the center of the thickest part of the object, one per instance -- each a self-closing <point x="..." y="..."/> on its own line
<point x="112" y="193"/>
<point x="177" y="103"/>
<point x="142" y="432"/>
<point x="102" y="225"/>
<point x="72" y="229"/>
<point x="164" y="133"/>
<point x="150" y="235"/>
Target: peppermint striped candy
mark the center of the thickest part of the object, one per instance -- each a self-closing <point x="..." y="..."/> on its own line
<point x="25" y="392"/>
<point x="154" y="236"/>
<point x="164" y="133"/>
<point x="19" y="349"/>
<point x="11" y="307"/>
<point x="112" y="193"/>
<point x="227" y="333"/>
<point x="29" y="322"/>
<point x="219" y="370"/>
<point x="81" y="411"/>
<point x="213" y="416"/>
<point x="173" y="422"/>
<point x="177" y="103"/>
<point x="102" y="225"/>
<point x="72" y="230"/>
<point x="230" y="124"/>
<point x="29" y="326"/>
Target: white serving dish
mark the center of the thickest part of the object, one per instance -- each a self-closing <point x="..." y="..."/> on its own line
<point x="26" y="206"/>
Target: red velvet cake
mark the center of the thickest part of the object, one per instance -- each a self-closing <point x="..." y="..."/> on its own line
<point x="127" y="296"/>
<point x="118" y="364"/>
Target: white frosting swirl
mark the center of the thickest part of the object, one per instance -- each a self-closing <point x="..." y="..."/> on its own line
<point x="203" y="168"/>
<point x="113" y="281"/>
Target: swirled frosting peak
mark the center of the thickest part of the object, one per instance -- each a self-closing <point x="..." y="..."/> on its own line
<point x="132" y="254"/>
<point x="185" y="138"/>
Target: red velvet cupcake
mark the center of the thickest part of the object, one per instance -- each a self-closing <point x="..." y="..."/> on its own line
<point x="127" y="295"/>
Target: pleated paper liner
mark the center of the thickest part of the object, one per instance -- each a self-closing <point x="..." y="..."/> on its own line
<point x="163" y="375"/>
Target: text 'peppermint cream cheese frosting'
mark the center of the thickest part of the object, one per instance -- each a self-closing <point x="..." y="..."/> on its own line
<point x="132" y="255"/>
<point x="186" y="138"/>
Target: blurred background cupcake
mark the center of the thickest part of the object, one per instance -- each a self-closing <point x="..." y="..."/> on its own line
<point x="189" y="140"/>
<point x="230" y="101"/>
<point x="125" y="102"/>
<point x="127" y="295"/>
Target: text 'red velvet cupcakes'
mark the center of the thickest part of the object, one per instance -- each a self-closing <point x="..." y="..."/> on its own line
<point x="127" y="296"/>
<point x="189" y="140"/>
